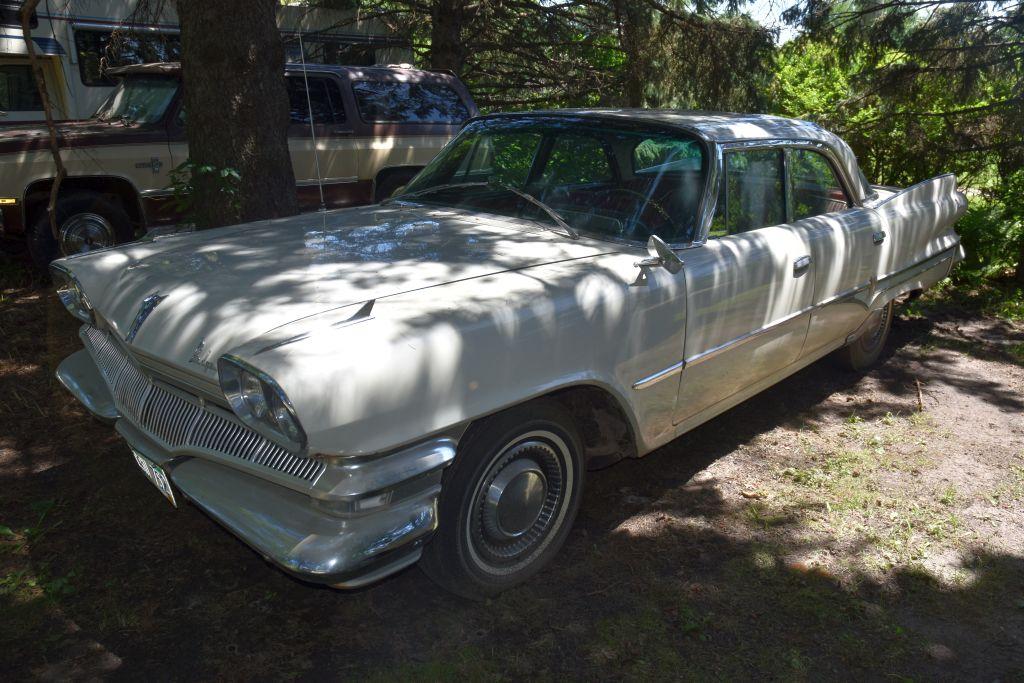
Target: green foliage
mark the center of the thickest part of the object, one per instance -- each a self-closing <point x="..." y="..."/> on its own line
<point x="992" y="237"/>
<point x="919" y="89"/>
<point x="220" y="184"/>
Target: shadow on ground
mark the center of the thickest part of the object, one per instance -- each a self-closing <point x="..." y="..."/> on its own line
<point x="659" y="579"/>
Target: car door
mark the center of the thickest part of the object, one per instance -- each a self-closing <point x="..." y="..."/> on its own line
<point x="322" y="143"/>
<point x="844" y="243"/>
<point x="748" y="290"/>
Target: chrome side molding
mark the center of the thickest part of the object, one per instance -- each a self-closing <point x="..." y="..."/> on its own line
<point x="651" y="380"/>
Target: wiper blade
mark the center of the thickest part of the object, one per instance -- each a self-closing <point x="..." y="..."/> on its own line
<point x="435" y="188"/>
<point x="569" y="230"/>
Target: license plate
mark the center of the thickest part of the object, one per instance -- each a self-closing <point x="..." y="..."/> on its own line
<point x="156" y="475"/>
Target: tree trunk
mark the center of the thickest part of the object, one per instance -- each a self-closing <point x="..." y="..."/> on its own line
<point x="633" y="29"/>
<point x="446" y="45"/>
<point x="237" y="109"/>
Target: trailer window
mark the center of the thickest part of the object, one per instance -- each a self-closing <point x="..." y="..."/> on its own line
<point x="18" y="89"/>
<point x="100" y="50"/>
<point x="10" y="15"/>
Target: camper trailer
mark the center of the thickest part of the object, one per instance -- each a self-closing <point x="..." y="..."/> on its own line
<point x="76" y="42"/>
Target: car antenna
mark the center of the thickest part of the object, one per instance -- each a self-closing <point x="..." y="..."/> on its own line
<point x="312" y="130"/>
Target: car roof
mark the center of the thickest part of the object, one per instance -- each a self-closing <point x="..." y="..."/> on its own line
<point x="711" y="125"/>
<point x="724" y="127"/>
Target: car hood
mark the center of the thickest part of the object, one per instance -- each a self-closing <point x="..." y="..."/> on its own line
<point x="186" y="299"/>
<point x="22" y="137"/>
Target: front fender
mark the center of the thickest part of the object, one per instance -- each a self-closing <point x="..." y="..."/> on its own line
<point x="425" y="362"/>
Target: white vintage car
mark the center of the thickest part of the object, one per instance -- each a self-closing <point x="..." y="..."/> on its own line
<point x="429" y="379"/>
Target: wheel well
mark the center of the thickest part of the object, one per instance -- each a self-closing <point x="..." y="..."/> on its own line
<point x="602" y="423"/>
<point x="118" y="190"/>
<point x="386" y="174"/>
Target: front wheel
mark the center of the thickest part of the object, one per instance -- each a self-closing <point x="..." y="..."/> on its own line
<point x="508" y="501"/>
<point x="85" y="221"/>
<point x="863" y="352"/>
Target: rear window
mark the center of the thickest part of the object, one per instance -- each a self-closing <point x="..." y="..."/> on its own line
<point x="394" y="102"/>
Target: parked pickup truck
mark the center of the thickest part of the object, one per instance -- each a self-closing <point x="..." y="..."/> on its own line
<point x="431" y="379"/>
<point x="375" y="127"/>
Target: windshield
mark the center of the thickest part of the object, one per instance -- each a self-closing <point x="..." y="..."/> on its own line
<point x="138" y="99"/>
<point x="604" y="179"/>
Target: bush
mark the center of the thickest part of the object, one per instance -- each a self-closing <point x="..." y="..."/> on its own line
<point x="992" y="235"/>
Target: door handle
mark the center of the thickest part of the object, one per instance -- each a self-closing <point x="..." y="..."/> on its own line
<point x="878" y="236"/>
<point x="801" y="264"/>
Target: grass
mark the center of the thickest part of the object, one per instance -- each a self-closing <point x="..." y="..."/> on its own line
<point x="854" y="480"/>
<point x="1001" y="298"/>
<point x="1012" y="489"/>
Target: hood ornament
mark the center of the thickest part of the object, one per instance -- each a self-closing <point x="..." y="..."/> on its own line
<point x="148" y="304"/>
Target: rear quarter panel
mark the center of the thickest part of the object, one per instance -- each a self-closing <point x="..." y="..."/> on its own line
<point x="919" y="224"/>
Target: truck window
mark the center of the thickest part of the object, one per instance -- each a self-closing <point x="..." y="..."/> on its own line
<point x="395" y="102"/>
<point x="324" y="95"/>
<point x="104" y="49"/>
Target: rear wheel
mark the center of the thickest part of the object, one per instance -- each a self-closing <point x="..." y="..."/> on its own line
<point x="85" y="221"/>
<point x="863" y="352"/>
<point x="508" y="501"/>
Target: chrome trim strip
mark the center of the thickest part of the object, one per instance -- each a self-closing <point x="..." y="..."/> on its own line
<point x="924" y="265"/>
<point x="152" y="194"/>
<point x="744" y="338"/>
<point x="845" y="294"/>
<point x="328" y="181"/>
<point x="651" y="380"/>
<point x="183" y="424"/>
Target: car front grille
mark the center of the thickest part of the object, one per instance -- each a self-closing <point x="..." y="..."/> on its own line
<point x="178" y="423"/>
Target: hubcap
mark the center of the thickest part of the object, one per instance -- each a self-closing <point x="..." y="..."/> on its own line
<point x="514" y="500"/>
<point x="520" y="502"/>
<point x="873" y="333"/>
<point x="85" y="232"/>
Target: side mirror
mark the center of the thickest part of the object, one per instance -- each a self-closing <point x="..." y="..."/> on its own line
<point x="660" y="255"/>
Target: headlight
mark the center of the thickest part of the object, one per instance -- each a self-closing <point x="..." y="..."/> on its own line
<point x="259" y="401"/>
<point x="70" y="292"/>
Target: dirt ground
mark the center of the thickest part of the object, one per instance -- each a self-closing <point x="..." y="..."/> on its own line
<point x="836" y="526"/>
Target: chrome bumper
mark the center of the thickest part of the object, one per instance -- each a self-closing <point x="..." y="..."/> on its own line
<point x="367" y="520"/>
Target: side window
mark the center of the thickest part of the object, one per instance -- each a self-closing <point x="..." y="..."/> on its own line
<point x="751" y="194"/>
<point x="814" y="187"/>
<point x="654" y="155"/>
<point x="395" y="102"/>
<point x="576" y="159"/>
<point x="324" y="96"/>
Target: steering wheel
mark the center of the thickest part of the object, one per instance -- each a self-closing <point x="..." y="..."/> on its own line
<point x="647" y="203"/>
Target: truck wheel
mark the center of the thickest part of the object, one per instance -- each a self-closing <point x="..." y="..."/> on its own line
<point x="85" y="221"/>
<point x="863" y="352"/>
<point x="507" y="502"/>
